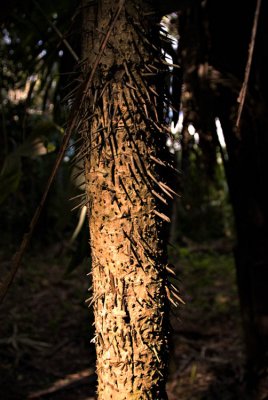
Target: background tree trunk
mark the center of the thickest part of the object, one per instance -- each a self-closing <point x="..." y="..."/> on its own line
<point x="247" y="169"/>
<point x="246" y="173"/>
<point x="246" y="165"/>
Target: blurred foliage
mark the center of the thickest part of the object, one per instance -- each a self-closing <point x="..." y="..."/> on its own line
<point x="36" y="73"/>
<point x="211" y="280"/>
<point x="38" y="70"/>
<point x="204" y="211"/>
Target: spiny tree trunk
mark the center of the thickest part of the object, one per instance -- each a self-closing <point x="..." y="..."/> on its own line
<point x="127" y="200"/>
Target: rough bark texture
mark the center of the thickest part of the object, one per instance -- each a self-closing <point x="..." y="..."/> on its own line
<point x="127" y="201"/>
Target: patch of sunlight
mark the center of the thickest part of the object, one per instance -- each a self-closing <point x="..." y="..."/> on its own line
<point x="41" y="54"/>
<point x="169" y="28"/>
<point x="177" y="145"/>
<point x="222" y="298"/>
<point x="191" y="129"/>
<point x="169" y="142"/>
<point x="194" y="133"/>
<point x="196" y="137"/>
<point x="6" y="37"/>
<point x="175" y="129"/>
<point x="168" y="58"/>
<point x="220" y="132"/>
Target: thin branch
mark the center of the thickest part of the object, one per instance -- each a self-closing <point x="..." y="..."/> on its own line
<point x="65" y="383"/>
<point x="243" y="91"/>
<point x="73" y="121"/>
<point x="53" y="26"/>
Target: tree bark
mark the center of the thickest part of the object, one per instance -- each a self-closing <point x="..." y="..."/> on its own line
<point x="246" y="173"/>
<point x="127" y="201"/>
<point x="246" y="165"/>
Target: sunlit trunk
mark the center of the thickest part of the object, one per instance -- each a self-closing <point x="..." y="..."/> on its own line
<point x="127" y="204"/>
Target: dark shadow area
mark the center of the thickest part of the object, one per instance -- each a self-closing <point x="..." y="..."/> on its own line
<point x="45" y="330"/>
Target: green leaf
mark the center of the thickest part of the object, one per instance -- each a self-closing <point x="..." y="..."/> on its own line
<point x="35" y="147"/>
<point x="11" y="171"/>
<point x="50" y="147"/>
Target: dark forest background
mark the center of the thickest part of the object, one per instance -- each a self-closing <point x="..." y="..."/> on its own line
<point x="219" y="230"/>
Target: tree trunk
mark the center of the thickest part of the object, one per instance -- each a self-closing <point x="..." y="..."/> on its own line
<point x="127" y="201"/>
<point x="246" y="171"/>
<point x="246" y="166"/>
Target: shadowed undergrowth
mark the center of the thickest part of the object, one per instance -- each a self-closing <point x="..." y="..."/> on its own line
<point x="45" y="348"/>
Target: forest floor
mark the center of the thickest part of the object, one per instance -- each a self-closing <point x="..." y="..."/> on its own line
<point x="46" y="328"/>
